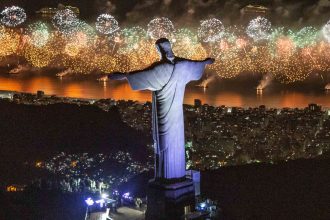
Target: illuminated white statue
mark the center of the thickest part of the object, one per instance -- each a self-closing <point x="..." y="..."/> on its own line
<point x="167" y="80"/>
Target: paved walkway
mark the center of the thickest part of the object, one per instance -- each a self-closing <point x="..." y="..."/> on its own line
<point x="125" y="213"/>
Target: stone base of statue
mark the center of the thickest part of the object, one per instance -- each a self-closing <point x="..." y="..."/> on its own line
<point x="169" y="200"/>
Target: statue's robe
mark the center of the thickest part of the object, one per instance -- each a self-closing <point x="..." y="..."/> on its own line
<point x="167" y="81"/>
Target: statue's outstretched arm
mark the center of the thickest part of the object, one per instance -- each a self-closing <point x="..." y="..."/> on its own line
<point x="205" y="61"/>
<point x="151" y="78"/>
<point x="117" y="76"/>
<point x="123" y="76"/>
<point x="196" y="68"/>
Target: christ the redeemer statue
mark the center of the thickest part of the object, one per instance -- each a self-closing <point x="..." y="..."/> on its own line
<point x="167" y="80"/>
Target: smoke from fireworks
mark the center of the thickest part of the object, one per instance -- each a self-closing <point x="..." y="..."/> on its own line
<point x="207" y="81"/>
<point x="64" y="73"/>
<point x="265" y="81"/>
<point x="19" y="69"/>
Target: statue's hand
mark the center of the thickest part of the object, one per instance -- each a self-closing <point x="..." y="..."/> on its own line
<point x="117" y="76"/>
<point x="209" y="60"/>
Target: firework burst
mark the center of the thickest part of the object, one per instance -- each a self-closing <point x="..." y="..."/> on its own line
<point x="13" y="16"/>
<point x="211" y="30"/>
<point x="65" y="21"/>
<point x="259" y="29"/>
<point x="38" y="34"/>
<point x="160" y="27"/>
<point x="106" y="24"/>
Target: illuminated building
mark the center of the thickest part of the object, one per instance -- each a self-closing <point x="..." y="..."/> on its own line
<point x="39" y="164"/>
<point x="49" y="12"/>
<point x="40" y="94"/>
<point x="314" y="107"/>
<point x="255" y="10"/>
<point x="15" y="188"/>
<point x="6" y="95"/>
<point x="251" y="11"/>
<point x="198" y="103"/>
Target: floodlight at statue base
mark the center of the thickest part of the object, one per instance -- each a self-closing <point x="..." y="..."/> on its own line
<point x="169" y="201"/>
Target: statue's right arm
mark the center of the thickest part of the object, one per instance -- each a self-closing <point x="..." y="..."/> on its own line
<point x="209" y="60"/>
<point x="195" y="68"/>
<point x="124" y="76"/>
<point x="151" y="78"/>
<point x="140" y="79"/>
<point x="205" y="61"/>
<point x="117" y="76"/>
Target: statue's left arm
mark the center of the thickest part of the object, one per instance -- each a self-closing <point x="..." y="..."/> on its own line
<point x="196" y="68"/>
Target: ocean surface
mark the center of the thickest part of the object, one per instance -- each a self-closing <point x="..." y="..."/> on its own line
<point x="238" y="93"/>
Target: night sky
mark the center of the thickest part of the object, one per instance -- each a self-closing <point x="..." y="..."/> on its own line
<point x="305" y="12"/>
<point x="268" y="162"/>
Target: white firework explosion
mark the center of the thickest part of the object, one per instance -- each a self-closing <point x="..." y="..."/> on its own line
<point x="13" y="16"/>
<point x="211" y="30"/>
<point x="259" y="29"/>
<point x="160" y="28"/>
<point x="106" y="24"/>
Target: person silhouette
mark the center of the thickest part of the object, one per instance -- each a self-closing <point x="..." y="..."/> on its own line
<point x="167" y="80"/>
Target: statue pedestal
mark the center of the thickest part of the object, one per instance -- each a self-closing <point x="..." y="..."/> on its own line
<point x="169" y="201"/>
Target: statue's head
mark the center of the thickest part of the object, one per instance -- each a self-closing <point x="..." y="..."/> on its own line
<point x="165" y="50"/>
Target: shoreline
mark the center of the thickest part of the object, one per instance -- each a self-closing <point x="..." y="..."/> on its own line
<point x="9" y="94"/>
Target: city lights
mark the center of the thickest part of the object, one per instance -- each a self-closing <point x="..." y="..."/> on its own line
<point x="104" y="195"/>
<point x="89" y="202"/>
<point x="99" y="96"/>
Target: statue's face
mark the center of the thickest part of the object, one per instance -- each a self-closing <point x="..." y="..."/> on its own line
<point x="160" y="52"/>
<point x="165" y="50"/>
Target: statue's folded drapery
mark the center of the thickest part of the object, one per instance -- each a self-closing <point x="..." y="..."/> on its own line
<point x="167" y="80"/>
